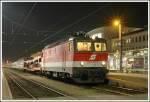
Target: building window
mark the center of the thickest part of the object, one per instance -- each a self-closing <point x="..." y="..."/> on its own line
<point x="143" y="37"/>
<point x="139" y="38"/>
<point x="136" y="39"/>
<point x="129" y="40"/>
<point x="126" y="40"/>
<point x="132" y="40"/>
<point x="113" y="44"/>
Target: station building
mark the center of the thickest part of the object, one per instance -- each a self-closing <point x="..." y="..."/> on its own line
<point x="134" y="47"/>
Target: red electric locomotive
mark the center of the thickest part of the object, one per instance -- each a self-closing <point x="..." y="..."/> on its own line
<point x="79" y="58"/>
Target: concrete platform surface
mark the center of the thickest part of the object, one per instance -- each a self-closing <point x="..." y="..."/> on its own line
<point x="6" y="92"/>
<point x="132" y="80"/>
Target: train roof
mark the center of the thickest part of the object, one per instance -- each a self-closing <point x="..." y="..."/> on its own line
<point x="62" y="41"/>
<point x="56" y="43"/>
<point x="36" y="54"/>
<point x="77" y="36"/>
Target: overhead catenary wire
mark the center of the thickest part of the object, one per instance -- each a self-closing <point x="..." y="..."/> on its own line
<point x="24" y="21"/>
<point x="37" y="32"/>
<point x="18" y="24"/>
<point x="64" y="28"/>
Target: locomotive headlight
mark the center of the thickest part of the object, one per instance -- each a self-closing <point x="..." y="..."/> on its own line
<point x="103" y="63"/>
<point x="82" y="63"/>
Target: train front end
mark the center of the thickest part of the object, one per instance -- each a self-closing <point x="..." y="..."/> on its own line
<point x="90" y="60"/>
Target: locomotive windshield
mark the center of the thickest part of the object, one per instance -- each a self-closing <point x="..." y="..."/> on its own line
<point x="100" y="46"/>
<point x="84" y="46"/>
<point x="87" y="45"/>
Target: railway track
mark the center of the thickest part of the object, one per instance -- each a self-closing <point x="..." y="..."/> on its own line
<point x="119" y="90"/>
<point x="21" y="91"/>
<point x="30" y="89"/>
<point x="103" y="88"/>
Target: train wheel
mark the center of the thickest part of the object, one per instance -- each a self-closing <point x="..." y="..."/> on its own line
<point x="41" y="72"/>
<point x="46" y="73"/>
<point x="67" y="78"/>
<point x="49" y="74"/>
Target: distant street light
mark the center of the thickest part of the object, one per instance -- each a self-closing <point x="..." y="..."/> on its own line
<point x="118" y="23"/>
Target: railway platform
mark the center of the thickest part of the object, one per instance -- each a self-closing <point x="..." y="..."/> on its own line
<point x="132" y="80"/>
<point x="138" y="81"/>
<point x="6" y="92"/>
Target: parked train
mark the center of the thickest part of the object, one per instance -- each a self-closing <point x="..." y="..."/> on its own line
<point x="33" y="63"/>
<point x="79" y="58"/>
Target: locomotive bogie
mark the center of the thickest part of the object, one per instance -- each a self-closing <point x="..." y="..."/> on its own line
<point x="90" y="75"/>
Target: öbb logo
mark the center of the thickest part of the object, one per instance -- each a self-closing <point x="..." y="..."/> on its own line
<point x="93" y="57"/>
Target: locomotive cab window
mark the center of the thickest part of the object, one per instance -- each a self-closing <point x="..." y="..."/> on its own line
<point x="100" y="46"/>
<point x="84" y="46"/>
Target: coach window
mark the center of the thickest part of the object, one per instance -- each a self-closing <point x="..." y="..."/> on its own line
<point x="49" y="51"/>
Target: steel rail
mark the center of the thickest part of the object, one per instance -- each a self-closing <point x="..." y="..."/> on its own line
<point x="46" y="87"/>
<point x="22" y="88"/>
<point x="51" y="89"/>
<point x="112" y="91"/>
<point x="129" y="89"/>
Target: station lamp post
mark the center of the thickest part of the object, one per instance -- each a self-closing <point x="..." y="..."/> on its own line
<point x="118" y="24"/>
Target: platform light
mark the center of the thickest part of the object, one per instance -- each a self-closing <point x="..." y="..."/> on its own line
<point x="116" y="22"/>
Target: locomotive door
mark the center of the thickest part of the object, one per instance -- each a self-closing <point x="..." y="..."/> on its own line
<point x="64" y="60"/>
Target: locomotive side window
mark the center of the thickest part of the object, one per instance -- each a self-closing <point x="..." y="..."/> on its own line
<point x="100" y="46"/>
<point x="84" y="46"/>
<point x="69" y="46"/>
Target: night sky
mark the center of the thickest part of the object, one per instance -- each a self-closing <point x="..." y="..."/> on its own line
<point x="24" y="24"/>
